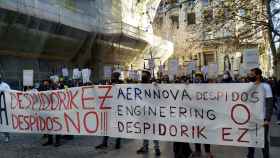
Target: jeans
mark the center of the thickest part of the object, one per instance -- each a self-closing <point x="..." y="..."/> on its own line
<point x="6" y="134"/>
<point x="265" y="150"/>
<point x="146" y="144"/>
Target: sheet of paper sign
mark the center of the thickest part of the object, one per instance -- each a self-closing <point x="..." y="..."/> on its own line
<point x="76" y="73"/>
<point x="65" y="72"/>
<point x="173" y="67"/>
<point x="28" y="76"/>
<point x="107" y="72"/>
<point x="86" y="73"/>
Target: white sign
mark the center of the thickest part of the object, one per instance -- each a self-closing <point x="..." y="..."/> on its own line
<point x="243" y="70"/>
<point x="251" y="58"/>
<point x="107" y="72"/>
<point x="86" y="73"/>
<point x="65" y="72"/>
<point x="28" y="76"/>
<point x="151" y="63"/>
<point x="213" y="71"/>
<point x="191" y="66"/>
<point x="223" y="114"/>
<point x="54" y="78"/>
<point x="173" y="67"/>
<point x="76" y="74"/>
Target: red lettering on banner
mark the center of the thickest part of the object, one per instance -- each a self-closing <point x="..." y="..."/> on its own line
<point x="76" y="124"/>
<point x="106" y="96"/>
<point x="18" y="94"/>
<point x="86" y="98"/>
<point x="45" y="101"/>
<point x="88" y="130"/>
<point x="29" y="98"/>
<point x="226" y="134"/>
<point x="12" y="99"/>
<point x="72" y="98"/>
<point x="52" y="96"/>
<point x="62" y="100"/>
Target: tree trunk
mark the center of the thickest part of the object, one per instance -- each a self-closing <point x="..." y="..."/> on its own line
<point x="271" y="40"/>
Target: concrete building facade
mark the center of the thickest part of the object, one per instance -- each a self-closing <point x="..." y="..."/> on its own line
<point x="46" y="35"/>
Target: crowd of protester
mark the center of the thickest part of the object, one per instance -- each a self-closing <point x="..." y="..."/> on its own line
<point x="181" y="150"/>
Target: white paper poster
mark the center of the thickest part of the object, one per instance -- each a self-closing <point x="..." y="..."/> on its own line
<point x="173" y="67"/>
<point x="107" y="72"/>
<point x="191" y="66"/>
<point x="251" y="58"/>
<point x="151" y="63"/>
<point x="213" y="71"/>
<point x="86" y="73"/>
<point x="76" y="74"/>
<point x="65" y="72"/>
<point x="28" y="77"/>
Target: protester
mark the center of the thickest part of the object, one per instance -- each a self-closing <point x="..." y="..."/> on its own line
<point x="227" y="77"/>
<point x="115" y="80"/>
<point x="4" y="87"/>
<point x="47" y="85"/>
<point x="199" y="78"/>
<point x="181" y="149"/>
<point x="256" y="77"/>
<point x="146" y="78"/>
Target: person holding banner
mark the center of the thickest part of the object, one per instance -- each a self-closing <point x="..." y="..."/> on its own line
<point x="146" y="78"/>
<point x="4" y="87"/>
<point x="199" y="78"/>
<point x="115" y="80"/>
<point x="256" y="76"/>
<point x="47" y="86"/>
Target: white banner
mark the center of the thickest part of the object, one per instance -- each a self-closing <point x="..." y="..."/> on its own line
<point x="223" y="114"/>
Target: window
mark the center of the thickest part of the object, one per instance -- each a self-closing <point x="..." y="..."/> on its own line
<point x="208" y="15"/>
<point x="191" y="18"/>
<point x="175" y="20"/>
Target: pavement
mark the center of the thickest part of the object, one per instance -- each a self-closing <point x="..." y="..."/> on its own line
<point x="29" y="146"/>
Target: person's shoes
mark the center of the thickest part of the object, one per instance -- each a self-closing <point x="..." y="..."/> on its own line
<point x="142" y="151"/>
<point x="47" y="143"/>
<point x="57" y="144"/>
<point x="6" y="140"/>
<point x="101" y="146"/>
<point x="157" y="151"/>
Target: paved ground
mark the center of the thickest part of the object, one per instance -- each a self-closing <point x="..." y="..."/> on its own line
<point x="29" y="146"/>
